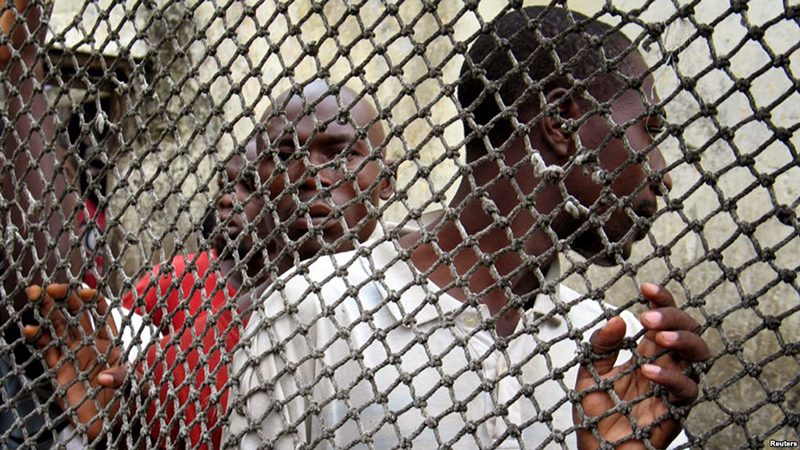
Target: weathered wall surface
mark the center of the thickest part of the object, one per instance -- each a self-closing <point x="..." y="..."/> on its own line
<point x="227" y="63"/>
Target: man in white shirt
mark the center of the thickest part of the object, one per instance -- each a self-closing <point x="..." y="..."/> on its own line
<point x="461" y="335"/>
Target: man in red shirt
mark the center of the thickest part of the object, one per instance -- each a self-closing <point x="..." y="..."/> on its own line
<point x="207" y="280"/>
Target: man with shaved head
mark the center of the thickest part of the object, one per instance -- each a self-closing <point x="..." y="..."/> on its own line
<point x="319" y="163"/>
<point x="322" y="167"/>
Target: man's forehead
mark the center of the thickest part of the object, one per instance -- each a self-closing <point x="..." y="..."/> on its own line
<point x="301" y="111"/>
<point x="338" y="115"/>
<point x="639" y="100"/>
<point x="636" y="67"/>
<point x="251" y="151"/>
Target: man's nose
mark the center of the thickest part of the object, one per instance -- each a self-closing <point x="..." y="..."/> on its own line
<point x="318" y="170"/>
<point x="225" y="201"/>
<point x="658" y="164"/>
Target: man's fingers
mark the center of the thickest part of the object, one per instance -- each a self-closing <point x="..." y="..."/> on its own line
<point x="76" y="305"/>
<point x="113" y="377"/>
<point x="62" y="297"/>
<point x="681" y="388"/>
<point x="102" y="310"/>
<point x="658" y="296"/>
<point x="57" y="291"/>
<point x="47" y="306"/>
<point x="688" y="345"/>
<point x="35" y="294"/>
<point x="669" y="318"/>
<point x="607" y="341"/>
<point x="31" y="331"/>
<point x="51" y="354"/>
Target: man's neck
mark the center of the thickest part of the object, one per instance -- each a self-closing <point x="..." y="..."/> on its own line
<point x="233" y="278"/>
<point x="496" y="284"/>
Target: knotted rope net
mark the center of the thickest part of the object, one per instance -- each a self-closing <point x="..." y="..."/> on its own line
<point x="394" y="223"/>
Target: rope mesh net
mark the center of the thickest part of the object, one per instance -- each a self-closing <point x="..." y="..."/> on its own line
<point x="397" y="224"/>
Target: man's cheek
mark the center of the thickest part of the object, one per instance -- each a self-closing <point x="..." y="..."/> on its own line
<point x="366" y="178"/>
<point x="343" y="195"/>
<point x="275" y="189"/>
<point x="628" y="181"/>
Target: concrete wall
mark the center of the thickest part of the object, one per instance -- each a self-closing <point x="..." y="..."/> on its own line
<point x="220" y="58"/>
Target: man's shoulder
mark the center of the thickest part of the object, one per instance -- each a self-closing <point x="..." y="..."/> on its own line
<point x="326" y="278"/>
<point x="339" y="285"/>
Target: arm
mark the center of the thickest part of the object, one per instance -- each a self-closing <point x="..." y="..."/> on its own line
<point x="29" y="131"/>
<point x="179" y="367"/>
<point x="63" y="345"/>
<point x="668" y="328"/>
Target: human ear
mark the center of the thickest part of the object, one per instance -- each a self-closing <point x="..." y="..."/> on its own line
<point x="561" y="106"/>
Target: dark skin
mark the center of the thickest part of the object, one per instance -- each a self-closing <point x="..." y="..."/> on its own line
<point x="33" y="130"/>
<point x="668" y="328"/>
<point x="56" y="300"/>
<point x="251" y="220"/>
<point x="331" y="152"/>
<point x="109" y="376"/>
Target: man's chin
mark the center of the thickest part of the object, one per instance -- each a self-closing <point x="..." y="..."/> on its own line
<point x="593" y="250"/>
<point x="314" y="245"/>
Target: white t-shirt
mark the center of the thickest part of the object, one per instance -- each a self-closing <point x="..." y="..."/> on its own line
<point x="368" y="352"/>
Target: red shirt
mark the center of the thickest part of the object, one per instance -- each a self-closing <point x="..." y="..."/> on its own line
<point x="195" y="405"/>
<point x="176" y="286"/>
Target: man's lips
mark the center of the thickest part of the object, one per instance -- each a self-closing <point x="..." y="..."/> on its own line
<point x="319" y="213"/>
<point x="234" y="229"/>
<point x="644" y="222"/>
<point x="234" y="225"/>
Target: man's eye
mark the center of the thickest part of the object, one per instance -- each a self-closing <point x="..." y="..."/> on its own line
<point x="346" y="152"/>
<point x="248" y="182"/>
<point x="351" y="151"/>
<point x="285" y="153"/>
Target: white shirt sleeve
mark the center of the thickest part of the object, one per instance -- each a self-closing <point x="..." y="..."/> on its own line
<point x="262" y="384"/>
<point x="134" y="333"/>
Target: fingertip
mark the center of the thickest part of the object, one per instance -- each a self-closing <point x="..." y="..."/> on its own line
<point x="87" y="294"/>
<point x="34" y="292"/>
<point x="105" y="379"/>
<point x="57" y="291"/>
<point x="651" y="371"/>
<point x="650" y="289"/>
<point x="615" y="320"/>
<point x="667" y="338"/>
<point x="651" y="319"/>
<point x="30" y="331"/>
<point x="112" y="378"/>
<point x="615" y="325"/>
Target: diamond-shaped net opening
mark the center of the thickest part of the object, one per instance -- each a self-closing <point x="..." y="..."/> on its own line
<point x="399" y="224"/>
